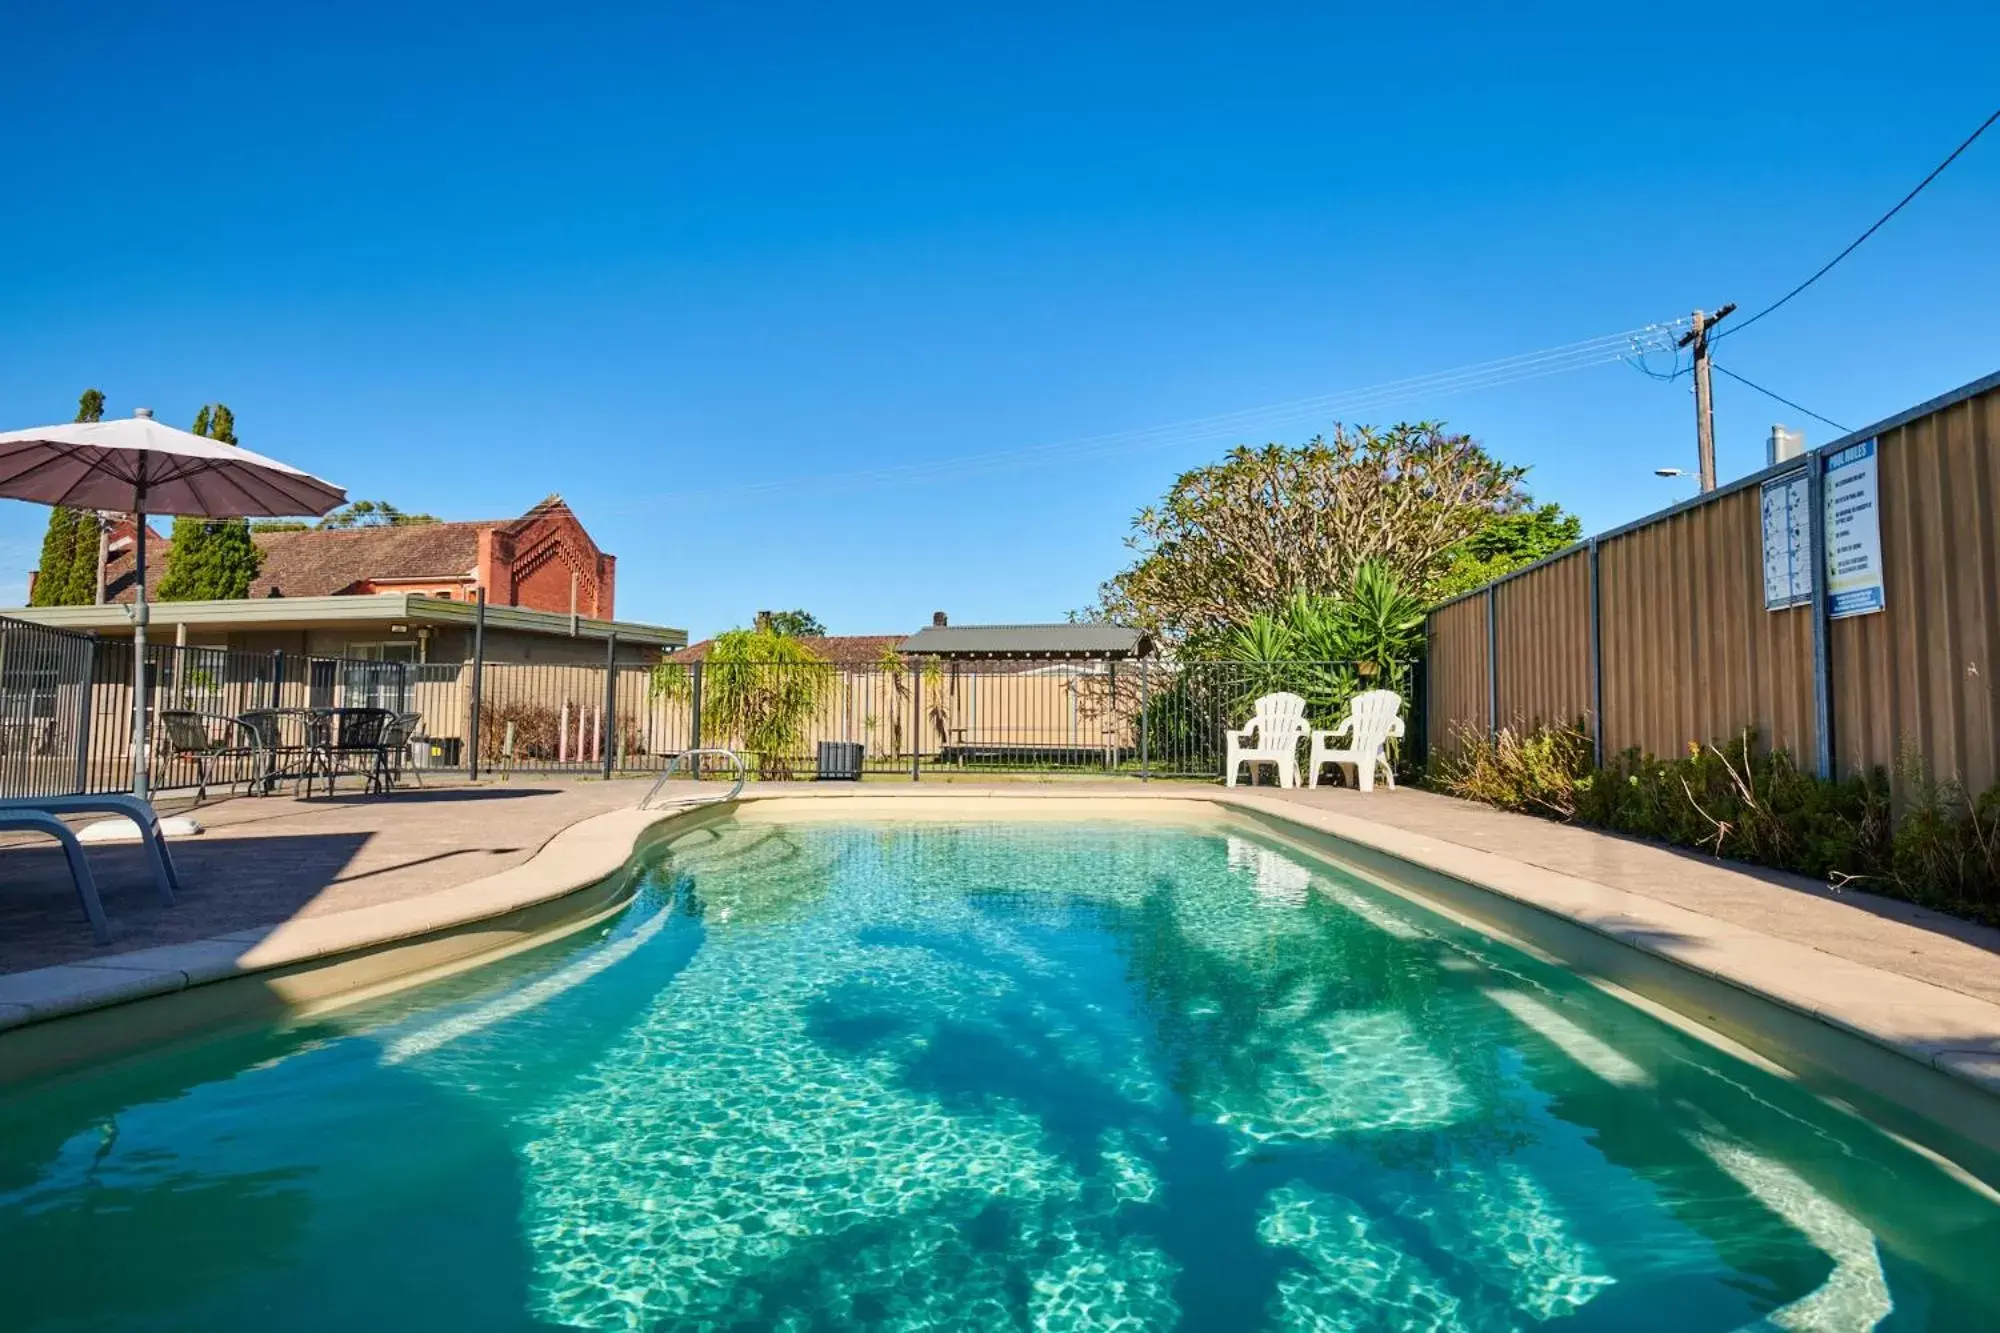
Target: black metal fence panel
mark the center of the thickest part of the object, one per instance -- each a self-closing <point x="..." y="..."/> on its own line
<point x="66" y="713"/>
<point x="66" y="706"/>
<point x="924" y="718"/>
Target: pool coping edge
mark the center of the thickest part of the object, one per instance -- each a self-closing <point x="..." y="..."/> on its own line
<point x="551" y="893"/>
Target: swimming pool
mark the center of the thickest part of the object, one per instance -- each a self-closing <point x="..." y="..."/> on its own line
<point x="920" y="1075"/>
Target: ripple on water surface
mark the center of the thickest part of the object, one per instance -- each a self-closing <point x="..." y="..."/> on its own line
<point x="1056" y="1077"/>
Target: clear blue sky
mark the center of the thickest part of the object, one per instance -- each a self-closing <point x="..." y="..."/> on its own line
<point x="657" y="256"/>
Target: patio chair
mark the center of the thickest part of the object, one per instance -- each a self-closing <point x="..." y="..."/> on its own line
<point x="166" y="880"/>
<point x="396" y="738"/>
<point x="343" y="735"/>
<point x="1372" y="718"/>
<point x="36" y="821"/>
<point x="1271" y="736"/>
<point x="212" y="739"/>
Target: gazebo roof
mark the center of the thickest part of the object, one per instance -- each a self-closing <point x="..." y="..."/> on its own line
<point x="1096" y="642"/>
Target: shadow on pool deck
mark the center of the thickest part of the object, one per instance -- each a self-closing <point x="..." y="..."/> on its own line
<point x="264" y="861"/>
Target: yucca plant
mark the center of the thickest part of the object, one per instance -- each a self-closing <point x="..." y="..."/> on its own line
<point x="1329" y="648"/>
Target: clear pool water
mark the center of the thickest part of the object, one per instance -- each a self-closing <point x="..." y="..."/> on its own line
<point x="984" y="1077"/>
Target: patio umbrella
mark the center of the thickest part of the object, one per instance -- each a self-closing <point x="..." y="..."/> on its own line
<point x="136" y="465"/>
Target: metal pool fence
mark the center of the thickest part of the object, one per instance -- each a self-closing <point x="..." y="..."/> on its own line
<point x="926" y="718"/>
<point x="66" y="705"/>
<point x="66" y="712"/>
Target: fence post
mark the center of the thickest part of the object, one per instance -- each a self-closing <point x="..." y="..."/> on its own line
<point x="1145" y="716"/>
<point x="694" y="714"/>
<point x="478" y="681"/>
<point x="916" y="723"/>
<point x="1492" y="668"/>
<point x="1596" y="665"/>
<point x="85" y="697"/>
<point x="610" y="700"/>
<point x="1822" y="629"/>
<point x="1111" y="716"/>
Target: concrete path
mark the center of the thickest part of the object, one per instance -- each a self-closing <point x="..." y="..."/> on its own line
<point x="272" y="859"/>
<point x="1860" y="927"/>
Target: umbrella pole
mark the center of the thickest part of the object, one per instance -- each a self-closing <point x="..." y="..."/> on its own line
<point x="139" y="619"/>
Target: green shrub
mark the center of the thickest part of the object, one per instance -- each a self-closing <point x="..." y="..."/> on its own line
<point x="1946" y="849"/>
<point x="1738" y="801"/>
<point x="1541" y="772"/>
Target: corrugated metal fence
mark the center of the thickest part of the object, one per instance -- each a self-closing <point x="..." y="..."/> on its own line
<point x="1656" y="634"/>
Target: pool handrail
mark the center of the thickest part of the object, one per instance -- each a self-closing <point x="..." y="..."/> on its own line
<point x="742" y="772"/>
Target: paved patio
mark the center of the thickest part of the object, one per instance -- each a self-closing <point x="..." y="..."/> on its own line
<point x="265" y="860"/>
<point x="269" y="860"/>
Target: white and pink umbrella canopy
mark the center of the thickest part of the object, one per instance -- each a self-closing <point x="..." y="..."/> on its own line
<point x="134" y="465"/>
<point x="137" y="465"/>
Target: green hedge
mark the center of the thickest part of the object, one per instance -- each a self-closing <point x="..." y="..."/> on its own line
<point x="1930" y="844"/>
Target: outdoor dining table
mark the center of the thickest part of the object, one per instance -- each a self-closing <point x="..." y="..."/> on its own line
<point x="302" y="745"/>
<point x="287" y="736"/>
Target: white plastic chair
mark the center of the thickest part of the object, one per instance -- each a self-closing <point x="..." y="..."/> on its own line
<point x="1277" y="726"/>
<point x="1372" y="718"/>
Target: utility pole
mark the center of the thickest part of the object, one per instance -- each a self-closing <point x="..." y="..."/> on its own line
<point x="1704" y="403"/>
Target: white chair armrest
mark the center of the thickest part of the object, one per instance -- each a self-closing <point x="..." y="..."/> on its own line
<point x="1396" y="727"/>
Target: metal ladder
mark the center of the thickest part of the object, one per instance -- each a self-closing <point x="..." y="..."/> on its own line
<point x="742" y="773"/>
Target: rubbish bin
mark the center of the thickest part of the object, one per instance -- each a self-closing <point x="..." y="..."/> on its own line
<point x="840" y="761"/>
<point x="436" y="751"/>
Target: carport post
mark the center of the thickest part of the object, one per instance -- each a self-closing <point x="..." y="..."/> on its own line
<point x="478" y="679"/>
<point x="610" y="700"/>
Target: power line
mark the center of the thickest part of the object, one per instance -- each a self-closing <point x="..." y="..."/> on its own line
<point x="1778" y="397"/>
<point x="1824" y="269"/>
<point x="1464" y="379"/>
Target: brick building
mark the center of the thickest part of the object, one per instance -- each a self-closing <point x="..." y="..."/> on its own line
<point x="397" y="593"/>
<point x="535" y="562"/>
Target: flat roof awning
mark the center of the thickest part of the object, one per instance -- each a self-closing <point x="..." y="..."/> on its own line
<point x="1100" y="642"/>
<point x="284" y="613"/>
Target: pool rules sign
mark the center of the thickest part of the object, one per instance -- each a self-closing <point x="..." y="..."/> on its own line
<point x="1853" y="532"/>
<point x="1852" y="515"/>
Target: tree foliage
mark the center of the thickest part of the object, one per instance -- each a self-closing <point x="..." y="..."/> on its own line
<point x="211" y="559"/>
<point x="1245" y="535"/>
<point x="797" y="624"/>
<point x="373" y="514"/>
<point x="759" y="692"/>
<point x="67" y="575"/>
<point x="1328" y="648"/>
<point x="1506" y="543"/>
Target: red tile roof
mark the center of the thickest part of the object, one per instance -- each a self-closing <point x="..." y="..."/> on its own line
<point x="322" y="563"/>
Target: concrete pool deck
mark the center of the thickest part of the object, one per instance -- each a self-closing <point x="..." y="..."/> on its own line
<point x="279" y="883"/>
